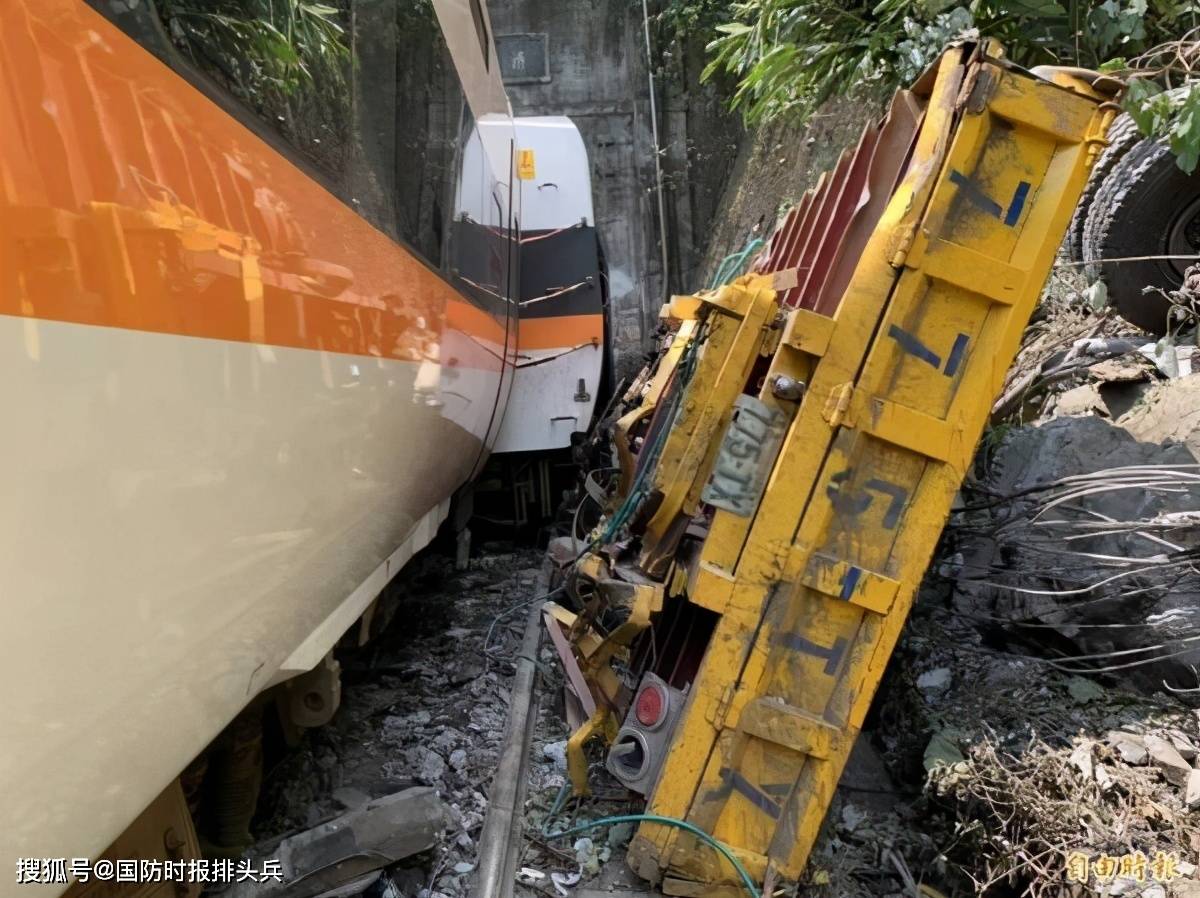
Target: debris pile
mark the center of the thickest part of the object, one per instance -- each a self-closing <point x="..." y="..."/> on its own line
<point x="422" y="706"/>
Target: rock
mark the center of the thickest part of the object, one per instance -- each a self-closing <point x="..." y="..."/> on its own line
<point x="1191" y="791"/>
<point x="1183" y="744"/>
<point x="1166" y="758"/>
<point x="447" y="739"/>
<point x="458" y="759"/>
<point x="851" y="817"/>
<point x="463" y="867"/>
<point x="557" y="752"/>
<point x="1083" y="690"/>
<point x="934" y="680"/>
<point x="432" y="766"/>
<point x="350" y="798"/>
<point x="1132" y="753"/>
<point x="942" y="751"/>
<point x="619" y="834"/>
<point x="1082" y="400"/>
<point x="1081" y="760"/>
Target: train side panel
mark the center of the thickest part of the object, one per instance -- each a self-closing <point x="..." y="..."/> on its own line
<point x="232" y="409"/>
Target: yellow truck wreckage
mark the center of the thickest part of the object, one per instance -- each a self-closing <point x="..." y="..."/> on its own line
<point x="785" y="472"/>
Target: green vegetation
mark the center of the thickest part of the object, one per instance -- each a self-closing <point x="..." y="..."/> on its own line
<point x="786" y="57"/>
<point x="262" y="48"/>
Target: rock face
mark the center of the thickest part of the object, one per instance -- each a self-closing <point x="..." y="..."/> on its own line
<point x="1087" y="543"/>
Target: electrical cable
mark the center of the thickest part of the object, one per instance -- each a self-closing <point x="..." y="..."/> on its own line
<point x="678" y="824"/>
<point x="487" y="640"/>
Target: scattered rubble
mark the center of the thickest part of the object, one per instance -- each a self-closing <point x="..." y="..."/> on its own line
<point x="422" y="706"/>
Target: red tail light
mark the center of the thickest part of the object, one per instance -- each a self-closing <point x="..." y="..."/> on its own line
<point x="651" y="706"/>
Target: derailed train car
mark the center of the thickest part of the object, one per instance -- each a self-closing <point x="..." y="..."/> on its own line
<point x="251" y="350"/>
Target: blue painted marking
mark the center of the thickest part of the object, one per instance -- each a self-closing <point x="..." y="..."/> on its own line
<point x="898" y="494"/>
<point x="975" y="195"/>
<point x="747" y="789"/>
<point x="832" y="655"/>
<point x="849" y="582"/>
<point x="913" y="346"/>
<point x="956" y="354"/>
<point x="1017" y="204"/>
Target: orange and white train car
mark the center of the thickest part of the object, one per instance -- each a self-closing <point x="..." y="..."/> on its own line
<point x="245" y="363"/>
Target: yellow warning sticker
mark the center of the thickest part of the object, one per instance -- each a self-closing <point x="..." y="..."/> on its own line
<point x="525" y="167"/>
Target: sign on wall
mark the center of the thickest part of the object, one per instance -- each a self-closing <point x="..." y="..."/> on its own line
<point x="524" y="58"/>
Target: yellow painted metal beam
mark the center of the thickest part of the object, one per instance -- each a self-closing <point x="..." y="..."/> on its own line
<point x="814" y="588"/>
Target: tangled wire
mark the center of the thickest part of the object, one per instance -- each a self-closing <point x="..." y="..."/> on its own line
<point x="1054" y="561"/>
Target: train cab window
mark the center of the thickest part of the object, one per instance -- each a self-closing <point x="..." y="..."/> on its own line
<point x="363" y="95"/>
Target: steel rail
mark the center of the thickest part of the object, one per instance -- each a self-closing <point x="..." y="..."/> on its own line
<point x="500" y="838"/>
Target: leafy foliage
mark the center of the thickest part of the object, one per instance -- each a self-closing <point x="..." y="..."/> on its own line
<point x="691" y="17"/>
<point x="271" y="47"/>
<point x="787" y="56"/>
<point x="1172" y="115"/>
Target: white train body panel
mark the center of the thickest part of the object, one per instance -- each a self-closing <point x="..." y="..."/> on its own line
<point x="562" y="299"/>
<point x="233" y="407"/>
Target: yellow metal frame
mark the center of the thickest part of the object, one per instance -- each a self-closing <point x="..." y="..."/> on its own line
<point x="813" y="589"/>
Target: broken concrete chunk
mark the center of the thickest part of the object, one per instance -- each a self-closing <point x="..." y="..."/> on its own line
<point x="1082" y="400"/>
<point x="1164" y="756"/>
<point x="1116" y="736"/>
<point x="1183" y="745"/>
<point x="1132" y="753"/>
<point x="934" y="680"/>
<point x="1191" y="791"/>
<point x="1081" y="760"/>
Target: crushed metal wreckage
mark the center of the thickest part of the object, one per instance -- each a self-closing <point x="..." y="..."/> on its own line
<point x="785" y="466"/>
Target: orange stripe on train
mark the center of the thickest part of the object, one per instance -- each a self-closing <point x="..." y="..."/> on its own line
<point x="129" y="199"/>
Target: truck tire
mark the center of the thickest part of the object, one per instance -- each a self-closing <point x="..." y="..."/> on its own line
<point x="1123" y="134"/>
<point x="1145" y="206"/>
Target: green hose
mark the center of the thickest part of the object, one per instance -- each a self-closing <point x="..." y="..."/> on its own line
<point x="734" y="263"/>
<point x="679" y="824"/>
